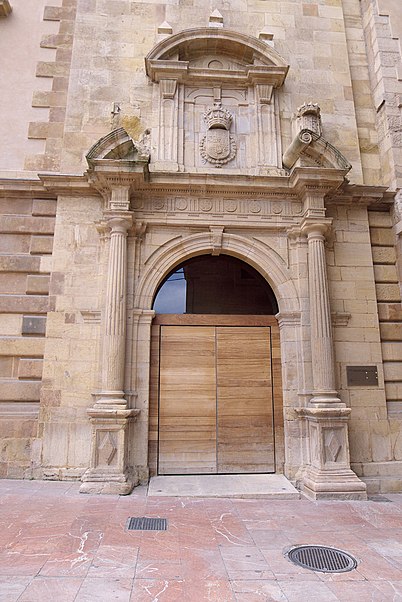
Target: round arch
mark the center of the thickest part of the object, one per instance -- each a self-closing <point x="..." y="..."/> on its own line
<point x="190" y="42"/>
<point x="260" y="256"/>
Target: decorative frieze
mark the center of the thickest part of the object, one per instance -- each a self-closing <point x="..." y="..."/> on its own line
<point x="261" y="207"/>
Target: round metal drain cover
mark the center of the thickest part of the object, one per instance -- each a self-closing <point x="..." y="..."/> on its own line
<point x="321" y="558"/>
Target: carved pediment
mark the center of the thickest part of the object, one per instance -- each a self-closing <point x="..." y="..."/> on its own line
<point x="216" y="61"/>
<point x="216" y="104"/>
<point x="308" y="147"/>
<point x="183" y="57"/>
<point x="118" y="145"/>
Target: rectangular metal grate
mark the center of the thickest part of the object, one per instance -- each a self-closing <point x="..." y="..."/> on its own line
<point x="144" y="523"/>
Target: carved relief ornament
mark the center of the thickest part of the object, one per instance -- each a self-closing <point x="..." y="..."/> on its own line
<point x="218" y="146"/>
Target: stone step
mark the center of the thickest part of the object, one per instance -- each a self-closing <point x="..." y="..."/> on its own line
<point x="275" y="486"/>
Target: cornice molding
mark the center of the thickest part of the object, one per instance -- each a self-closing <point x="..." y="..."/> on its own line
<point x="290" y="187"/>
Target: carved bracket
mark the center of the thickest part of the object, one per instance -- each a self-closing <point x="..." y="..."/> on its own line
<point x="216" y="239"/>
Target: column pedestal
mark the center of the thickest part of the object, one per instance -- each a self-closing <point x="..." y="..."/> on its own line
<point x="329" y="475"/>
<point x="108" y="473"/>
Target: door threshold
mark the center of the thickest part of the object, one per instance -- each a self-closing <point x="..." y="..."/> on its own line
<point x="275" y="486"/>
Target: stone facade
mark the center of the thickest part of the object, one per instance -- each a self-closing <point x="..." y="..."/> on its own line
<point x="141" y="134"/>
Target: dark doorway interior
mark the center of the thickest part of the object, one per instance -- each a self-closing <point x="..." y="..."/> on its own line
<point x="215" y="285"/>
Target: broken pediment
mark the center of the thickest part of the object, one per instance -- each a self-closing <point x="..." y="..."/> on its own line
<point x="308" y="147"/>
<point x="119" y="146"/>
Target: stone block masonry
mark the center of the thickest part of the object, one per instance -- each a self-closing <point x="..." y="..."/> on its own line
<point x="24" y="303"/>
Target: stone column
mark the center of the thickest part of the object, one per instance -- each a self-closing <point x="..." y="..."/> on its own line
<point x="110" y="416"/>
<point x="329" y="474"/>
<point x="322" y="354"/>
<point x="114" y="323"/>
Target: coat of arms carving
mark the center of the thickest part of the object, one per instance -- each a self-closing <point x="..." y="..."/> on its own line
<point x="218" y="146"/>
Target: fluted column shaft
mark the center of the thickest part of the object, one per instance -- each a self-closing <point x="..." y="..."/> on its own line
<point x="322" y="352"/>
<point x="114" y="324"/>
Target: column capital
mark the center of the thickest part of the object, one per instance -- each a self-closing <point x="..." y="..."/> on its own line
<point x="118" y="221"/>
<point x="313" y="228"/>
<point x="288" y="318"/>
<point x="143" y="315"/>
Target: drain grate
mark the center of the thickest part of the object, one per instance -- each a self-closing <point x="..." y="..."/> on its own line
<point x="144" y="523"/>
<point x="323" y="559"/>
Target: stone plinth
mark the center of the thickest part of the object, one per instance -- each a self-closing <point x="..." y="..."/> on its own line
<point x="108" y="472"/>
<point x="329" y="475"/>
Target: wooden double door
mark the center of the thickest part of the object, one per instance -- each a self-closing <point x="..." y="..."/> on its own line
<point x="215" y="412"/>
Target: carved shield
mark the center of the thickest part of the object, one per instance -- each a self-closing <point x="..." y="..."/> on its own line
<point x="218" y="144"/>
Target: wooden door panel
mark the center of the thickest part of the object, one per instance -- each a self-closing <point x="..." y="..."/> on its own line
<point x="187" y="400"/>
<point x="245" y="409"/>
<point x="215" y="400"/>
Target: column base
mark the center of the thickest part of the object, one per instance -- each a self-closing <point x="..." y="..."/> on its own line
<point x="329" y="475"/>
<point x="108" y="472"/>
<point x="96" y="482"/>
<point x="341" y="484"/>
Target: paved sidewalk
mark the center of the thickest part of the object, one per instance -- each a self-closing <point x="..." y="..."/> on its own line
<point x="59" y="545"/>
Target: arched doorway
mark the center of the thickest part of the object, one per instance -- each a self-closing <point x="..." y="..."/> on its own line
<point x="216" y="395"/>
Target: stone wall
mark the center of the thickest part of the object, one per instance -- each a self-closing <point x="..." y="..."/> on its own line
<point x="71" y="354"/>
<point x="26" y="241"/>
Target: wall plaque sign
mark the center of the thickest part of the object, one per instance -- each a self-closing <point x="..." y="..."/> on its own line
<point x="362" y="376"/>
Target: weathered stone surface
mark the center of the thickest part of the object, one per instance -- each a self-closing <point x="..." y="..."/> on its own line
<point x="41" y="245"/>
<point x="19" y="346"/>
<point x="383" y="237"/>
<point x="390" y="312"/>
<point x="19" y="263"/>
<point x="388" y="292"/>
<point x="30" y="368"/>
<point x="384" y="255"/>
<point x="24" y="304"/>
<point x="385" y="273"/>
<point x="44" y="207"/>
<point x="391" y="331"/>
<point x="15" y="390"/>
<point x="19" y="225"/>
<point x="37" y="285"/>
